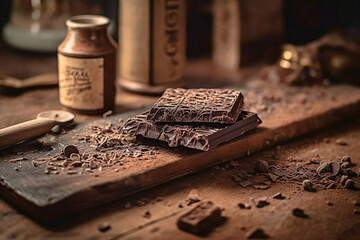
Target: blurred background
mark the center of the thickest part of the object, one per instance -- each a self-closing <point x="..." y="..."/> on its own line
<point x="232" y="33"/>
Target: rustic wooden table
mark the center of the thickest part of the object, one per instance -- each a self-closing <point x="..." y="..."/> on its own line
<point x="126" y="216"/>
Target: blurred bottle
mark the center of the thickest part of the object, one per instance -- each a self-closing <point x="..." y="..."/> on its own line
<point x="39" y="25"/>
<point x="151" y="44"/>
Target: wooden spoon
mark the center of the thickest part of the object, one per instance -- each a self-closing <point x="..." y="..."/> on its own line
<point x="48" y="79"/>
<point x="44" y="122"/>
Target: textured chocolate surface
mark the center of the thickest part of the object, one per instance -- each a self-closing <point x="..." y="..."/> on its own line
<point x="197" y="105"/>
<point x="198" y="136"/>
<point x="201" y="219"/>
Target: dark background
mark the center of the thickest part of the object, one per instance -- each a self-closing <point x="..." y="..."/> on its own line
<point x="304" y="21"/>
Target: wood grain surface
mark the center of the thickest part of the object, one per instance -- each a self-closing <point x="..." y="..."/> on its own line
<point x="52" y="196"/>
<point x="125" y="216"/>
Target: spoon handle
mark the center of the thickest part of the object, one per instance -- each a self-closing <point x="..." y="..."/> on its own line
<point x="24" y="131"/>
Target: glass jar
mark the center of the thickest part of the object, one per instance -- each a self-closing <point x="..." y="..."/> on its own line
<point x="87" y="65"/>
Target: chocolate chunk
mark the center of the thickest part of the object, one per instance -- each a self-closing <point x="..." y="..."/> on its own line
<point x="256" y="233"/>
<point x="278" y="196"/>
<point x="69" y="149"/>
<point x="103" y="227"/>
<point x="350" y="184"/>
<point x="261" y="166"/>
<point x="345" y="159"/>
<point x="147" y="214"/>
<point x="197" y="105"/>
<point x="335" y="168"/>
<point x="308" y="186"/>
<point x="261" y="202"/>
<point x="197" y="136"/>
<point x="201" y="219"/>
<point x="340" y="142"/>
<point x="346" y="165"/>
<point x="323" y="169"/>
<point x="297" y="212"/>
<point x="244" y="205"/>
<point x="356" y="212"/>
<point x="329" y="203"/>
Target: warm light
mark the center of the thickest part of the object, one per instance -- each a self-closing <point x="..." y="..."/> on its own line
<point x="287" y="55"/>
<point x="285" y="64"/>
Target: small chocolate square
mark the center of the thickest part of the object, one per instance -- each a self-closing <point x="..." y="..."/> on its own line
<point x="201" y="219"/>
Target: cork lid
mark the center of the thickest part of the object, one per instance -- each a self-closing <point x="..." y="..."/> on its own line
<point x="87" y="21"/>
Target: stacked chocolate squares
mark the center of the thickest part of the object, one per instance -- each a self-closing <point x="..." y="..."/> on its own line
<point x="194" y="118"/>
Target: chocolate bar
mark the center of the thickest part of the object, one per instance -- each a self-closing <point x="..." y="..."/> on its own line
<point x="197" y="105"/>
<point x="201" y="219"/>
<point x="192" y="135"/>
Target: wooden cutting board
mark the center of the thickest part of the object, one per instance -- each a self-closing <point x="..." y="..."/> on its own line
<point x="287" y="112"/>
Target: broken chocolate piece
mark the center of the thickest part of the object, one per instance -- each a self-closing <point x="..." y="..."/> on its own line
<point x="278" y="196"/>
<point x="197" y="105"/>
<point x="70" y="149"/>
<point x="201" y="137"/>
<point x="298" y="212"/>
<point x="103" y="227"/>
<point x="350" y="184"/>
<point x="345" y="159"/>
<point x="244" y="205"/>
<point x="335" y="168"/>
<point x="308" y="185"/>
<point x="256" y="233"/>
<point x="323" y="168"/>
<point x="261" y="202"/>
<point x="340" y="142"/>
<point x="345" y="165"/>
<point x="201" y="219"/>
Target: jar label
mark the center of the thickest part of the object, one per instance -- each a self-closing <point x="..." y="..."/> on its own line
<point x="81" y="82"/>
